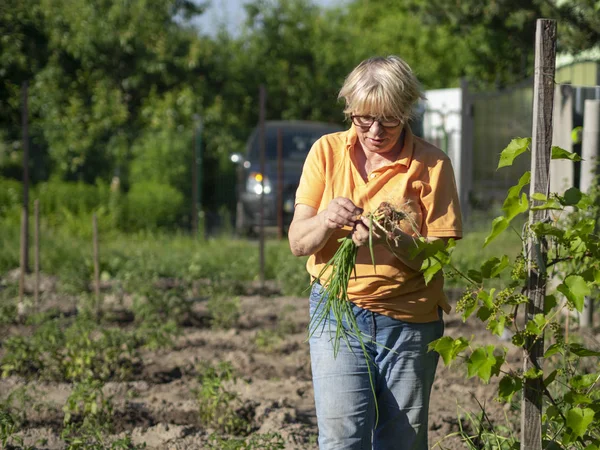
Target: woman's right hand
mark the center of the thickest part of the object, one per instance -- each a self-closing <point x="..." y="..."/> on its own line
<point x="341" y="212"/>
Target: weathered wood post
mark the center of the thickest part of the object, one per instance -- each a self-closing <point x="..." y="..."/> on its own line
<point x="96" y="264"/>
<point x="543" y="98"/>
<point x="36" y="261"/>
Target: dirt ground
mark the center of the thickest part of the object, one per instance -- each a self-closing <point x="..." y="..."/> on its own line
<point x="157" y="408"/>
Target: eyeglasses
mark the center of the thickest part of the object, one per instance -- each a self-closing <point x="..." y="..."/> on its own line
<point x="367" y="121"/>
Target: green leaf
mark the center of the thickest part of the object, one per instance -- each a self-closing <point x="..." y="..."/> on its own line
<point x="575" y="398"/>
<point x="561" y="153"/>
<point x="475" y="275"/>
<point x="494" y="266"/>
<point x="487" y="297"/>
<point x="484" y="313"/>
<point x="497" y="326"/>
<point x="509" y="385"/>
<point x="429" y="268"/>
<point x="483" y="363"/>
<point x="551" y="203"/>
<point x="533" y="373"/>
<point x="572" y="196"/>
<point x="550" y="302"/>
<point x="578" y="419"/>
<point x="539" y="197"/>
<point x="498" y="226"/>
<point x="449" y="348"/>
<point x="514" y="149"/>
<point x="515" y="204"/>
<point x="552" y="350"/>
<point x="575" y="289"/>
<point x="583" y="381"/>
<point x="546" y="229"/>
<point x="581" y="351"/>
<point x="550" y="378"/>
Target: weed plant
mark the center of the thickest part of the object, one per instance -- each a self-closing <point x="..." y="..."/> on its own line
<point x="268" y="441"/>
<point x="216" y="403"/>
<point x="224" y="311"/>
<point x="89" y="418"/>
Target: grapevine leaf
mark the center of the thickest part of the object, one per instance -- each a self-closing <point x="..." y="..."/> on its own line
<point x="575" y="289"/>
<point x="571" y="197"/>
<point x="475" y="275"/>
<point x="429" y="268"/>
<point x="487" y="298"/>
<point x="539" y="197"/>
<point x="484" y="313"/>
<point x="578" y="419"/>
<point x="546" y="229"/>
<point x="550" y="302"/>
<point x="550" y="378"/>
<point x="561" y="153"/>
<point x="509" y="385"/>
<point x="497" y="326"/>
<point x="493" y="266"/>
<point x="581" y="351"/>
<point x="533" y="373"/>
<point x="449" y="348"/>
<point x="498" y="226"/>
<point x="583" y="381"/>
<point x="514" y="204"/>
<point x="552" y="350"/>
<point x="483" y="363"/>
<point x="514" y="149"/>
<point x="551" y="203"/>
<point x="575" y="398"/>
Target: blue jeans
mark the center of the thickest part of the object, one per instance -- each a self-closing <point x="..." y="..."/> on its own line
<point x="403" y="372"/>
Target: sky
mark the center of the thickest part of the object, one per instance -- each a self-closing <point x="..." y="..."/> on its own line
<point x="232" y="14"/>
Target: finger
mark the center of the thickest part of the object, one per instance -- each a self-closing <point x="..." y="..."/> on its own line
<point x="347" y="205"/>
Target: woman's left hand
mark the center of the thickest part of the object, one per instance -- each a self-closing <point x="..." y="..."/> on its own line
<point x="360" y="233"/>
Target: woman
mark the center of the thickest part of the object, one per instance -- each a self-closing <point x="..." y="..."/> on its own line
<point x="347" y="175"/>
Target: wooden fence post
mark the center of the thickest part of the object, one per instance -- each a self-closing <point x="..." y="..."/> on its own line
<point x="96" y="265"/>
<point x="543" y="97"/>
<point x="36" y="244"/>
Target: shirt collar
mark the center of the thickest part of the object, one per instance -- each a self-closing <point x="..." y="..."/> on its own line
<point x="406" y="154"/>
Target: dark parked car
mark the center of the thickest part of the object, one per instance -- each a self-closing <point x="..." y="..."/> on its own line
<point x="297" y="139"/>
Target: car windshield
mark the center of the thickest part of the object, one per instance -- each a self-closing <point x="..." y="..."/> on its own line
<point x="296" y="143"/>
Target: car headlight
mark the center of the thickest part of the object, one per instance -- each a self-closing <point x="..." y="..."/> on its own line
<point x="253" y="183"/>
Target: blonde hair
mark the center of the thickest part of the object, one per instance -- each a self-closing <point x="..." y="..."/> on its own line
<point x="381" y="87"/>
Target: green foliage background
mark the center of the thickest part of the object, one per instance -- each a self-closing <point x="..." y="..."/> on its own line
<point x="116" y="89"/>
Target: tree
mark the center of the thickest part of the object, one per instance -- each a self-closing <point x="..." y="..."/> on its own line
<point x="499" y="35"/>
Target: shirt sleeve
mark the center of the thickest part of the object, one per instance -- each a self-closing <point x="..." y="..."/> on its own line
<point x="312" y="181"/>
<point x="442" y="215"/>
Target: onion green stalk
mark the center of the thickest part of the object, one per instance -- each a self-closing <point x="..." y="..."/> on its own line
<point x="334" y="299"/>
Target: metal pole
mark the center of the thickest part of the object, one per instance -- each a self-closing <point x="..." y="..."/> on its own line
<point x="194" y="187"/>
<point x="199" y="178"/>
<point x="279" y="184"/>
<point x="262" y="142"/>
<point x="590" y="149"/>
<point x="24" y="260"/>
<point x="464" y="169"/>
<point x="96" y="265"/>
<point x="36" y="212"/>
<point x="533" y="351"/>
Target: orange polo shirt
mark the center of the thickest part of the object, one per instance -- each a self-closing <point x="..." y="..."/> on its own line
<point x="421" y="181"/>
